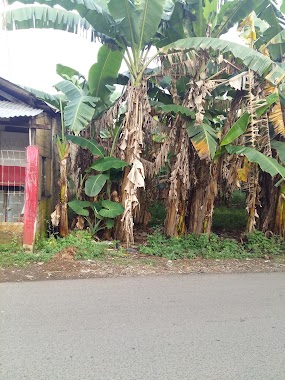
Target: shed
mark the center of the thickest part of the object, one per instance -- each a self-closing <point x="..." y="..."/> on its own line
<point x="28" y="166"/>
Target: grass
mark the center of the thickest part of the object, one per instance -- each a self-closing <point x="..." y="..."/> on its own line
<point x="212" y="247"/>
<point x="14" y="255"/>
<point x="231" y="217"/>
<point x="187" y="247"/>
<point x="158" y="214"/>
<point x="82" y="242"/>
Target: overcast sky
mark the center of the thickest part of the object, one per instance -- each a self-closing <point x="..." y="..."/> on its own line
<point x="29" y="57"/>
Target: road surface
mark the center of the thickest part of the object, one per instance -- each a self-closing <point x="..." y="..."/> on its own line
<point x="188" y="327"/>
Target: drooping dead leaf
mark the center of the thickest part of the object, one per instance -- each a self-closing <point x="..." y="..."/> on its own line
<point x="275" y="114"/>
<point x="55" y="216"/>
<point x="80" y="222"/>
<point x="239" y="81"/>
<point x="136" y="175"/>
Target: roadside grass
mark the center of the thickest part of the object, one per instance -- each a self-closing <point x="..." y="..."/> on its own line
<point x="256" y="245"/>
<point x="83" y="247"/>
<point x="81" y="242"/>
<point x="14" y="255"/>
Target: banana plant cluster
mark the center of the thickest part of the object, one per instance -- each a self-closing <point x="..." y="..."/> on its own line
<point x="197" y="67"/>
<point x="78" y="103"/>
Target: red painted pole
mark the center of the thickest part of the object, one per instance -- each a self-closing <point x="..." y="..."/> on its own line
<point x="31" y="196"/>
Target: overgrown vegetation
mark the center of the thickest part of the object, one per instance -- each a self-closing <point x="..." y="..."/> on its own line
<point x="211" y="112"/>
<point x="79" y="243"/>
<point x="158" y="213"/>
<point x="191" y="246"/>
<point x="81" y="246"/>
<point x="14" y="255"/>
<point x="82" y="242"/>
<point x="231" y="217"/>
<point x="206" y="121"/>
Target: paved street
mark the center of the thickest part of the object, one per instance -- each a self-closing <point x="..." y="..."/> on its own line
<point x="194" y="327"/>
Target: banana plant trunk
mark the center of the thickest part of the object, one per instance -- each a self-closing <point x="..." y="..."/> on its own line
<point x="280" y="213"/>
<point x="146" y="196"/>
<point x="63" y="218"/>
<point x="175" y="218"/>
<point x="119" y="229"/>
<point x="137" y="118"/>
<point x="202" y="198"/>
<point x="272" y="206"/>
<point x="252" y="201"/>
<point x="179" y="187"/>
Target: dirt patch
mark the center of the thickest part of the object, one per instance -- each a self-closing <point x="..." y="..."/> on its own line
<point x="64" y="266"/>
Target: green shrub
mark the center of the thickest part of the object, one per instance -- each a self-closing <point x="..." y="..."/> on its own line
<point x="238" y="199"/>
<point x="229" y="218"/>
<point x="158" y="214"/>
<point x="213" y="246"/>
<point x="82" y="241"/>
<point x="257" y="242"/>
<point x="233" y="216"/>
<point x="13" y="254"/>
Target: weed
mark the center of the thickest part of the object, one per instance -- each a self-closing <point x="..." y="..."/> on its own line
<point x="229" y="218"/>
<point x="212" y="246"/>
<point x="148" y="262"/>
<point x="85" y="246"/>
<point x="158" y="213"/>
<point x="257" y="242"/>
<point x="14" y="255"/>
<point x="233" y="215"/>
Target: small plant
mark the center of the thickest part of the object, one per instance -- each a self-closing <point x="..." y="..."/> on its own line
<point x="158" y="213"/>
<point x="212" y="247"/>
<point x="258" y="242"/>
<point x="233" y="215"/>
<point x="81" y="241"/>
<point x="13" y="254"/>
<point x="101" y="213"/>
<point x="12" y="247"/>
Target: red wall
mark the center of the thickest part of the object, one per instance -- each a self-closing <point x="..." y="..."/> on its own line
<point x="12" y="175"/>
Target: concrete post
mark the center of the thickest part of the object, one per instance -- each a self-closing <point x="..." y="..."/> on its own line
<point x="31" y="197"/>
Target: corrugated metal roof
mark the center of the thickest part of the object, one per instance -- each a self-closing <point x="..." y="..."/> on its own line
<point x="9" y="109"/>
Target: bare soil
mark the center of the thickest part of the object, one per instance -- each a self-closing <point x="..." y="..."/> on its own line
<point x="64" y="266"/>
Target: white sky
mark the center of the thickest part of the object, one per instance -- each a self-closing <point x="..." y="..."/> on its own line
<point x="29" y="57"/>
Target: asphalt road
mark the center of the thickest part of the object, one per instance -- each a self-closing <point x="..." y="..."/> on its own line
<point x="194" y="327"/>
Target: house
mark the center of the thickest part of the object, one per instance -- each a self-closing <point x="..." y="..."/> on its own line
<point x="28" y="184"/>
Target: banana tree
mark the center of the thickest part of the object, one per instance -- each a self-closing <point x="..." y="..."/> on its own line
<point x="206" y="174"/>
<point x="272" y="42"/>
<point x="76" y="114"/>
<point x="259" y="32"/>
<point x="77" y="107"/>
<point x="133" y="26"/>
